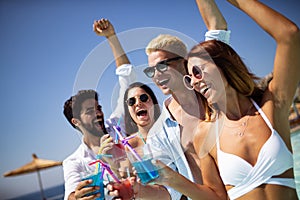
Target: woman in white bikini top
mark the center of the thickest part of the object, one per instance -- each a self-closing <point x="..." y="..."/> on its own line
<point x="252" y="157"/>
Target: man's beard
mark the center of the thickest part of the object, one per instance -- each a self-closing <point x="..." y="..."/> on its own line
<point x="94" y="131"/>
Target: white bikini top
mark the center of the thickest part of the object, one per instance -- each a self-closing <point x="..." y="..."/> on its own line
<point x="273" y="159"/>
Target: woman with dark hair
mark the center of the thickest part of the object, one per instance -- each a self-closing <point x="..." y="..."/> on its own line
<point x="252" y="155"/>
<point x="141" y="109"/>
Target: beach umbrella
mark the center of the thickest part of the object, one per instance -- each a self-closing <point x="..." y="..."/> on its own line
<point x="35" y="165"/>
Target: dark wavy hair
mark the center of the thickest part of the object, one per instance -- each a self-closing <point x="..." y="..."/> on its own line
<point x="130" y="125"/>
<point x="230" y="63"/>
<point x="73" y="105"/>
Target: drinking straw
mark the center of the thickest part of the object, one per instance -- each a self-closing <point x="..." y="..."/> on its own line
<point x="116" y="140"/>
<point x="119" y="121"/>
<point x="125" y="143"/>
<point x="105" y="166"/>
<point x="116" y="135"/>
<point x="99" y="156"/>
<point x="102" y="172"/>
<point x="105" y="155"/>
<point x="128" y="173"/>
<point x="131" y="136"/>
<point x="98" y="165"/>
<point x="108" y="178"/>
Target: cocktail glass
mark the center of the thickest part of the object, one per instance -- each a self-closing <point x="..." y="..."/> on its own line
<point x="146" y="171"/>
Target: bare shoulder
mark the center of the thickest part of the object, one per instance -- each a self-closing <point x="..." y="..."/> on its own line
<point x="205" y="138"/>
<point x="277" y="114"/>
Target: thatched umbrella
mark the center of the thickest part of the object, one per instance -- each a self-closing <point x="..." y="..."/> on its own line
<point x="34" y="166"/>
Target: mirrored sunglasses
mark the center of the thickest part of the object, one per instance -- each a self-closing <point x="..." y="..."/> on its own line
<point x="161" y="66"/>
<point x="132" y="100"/>
<point x="187" y="79"/>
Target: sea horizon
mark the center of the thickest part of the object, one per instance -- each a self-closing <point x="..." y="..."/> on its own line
<point x="52" y="193"/>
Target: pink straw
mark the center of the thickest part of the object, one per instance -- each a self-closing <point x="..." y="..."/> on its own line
<point x="125" y="143"/>
<point x="106" y="167"/>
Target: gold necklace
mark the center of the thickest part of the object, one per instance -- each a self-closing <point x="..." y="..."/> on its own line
<point x="240" y="128"/>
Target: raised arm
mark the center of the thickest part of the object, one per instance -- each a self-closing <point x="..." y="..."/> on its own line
<point x="286" y="72"/>
<point x="214" y="21"/>
<point x="211" y="15"/>
<point x="103" y="27"/>
<point x="126" y="73"/>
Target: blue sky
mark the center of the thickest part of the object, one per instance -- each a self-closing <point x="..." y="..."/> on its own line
<point x="48" y="50"/>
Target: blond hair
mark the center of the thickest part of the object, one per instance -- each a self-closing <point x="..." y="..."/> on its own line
<point x="168" y="43"/>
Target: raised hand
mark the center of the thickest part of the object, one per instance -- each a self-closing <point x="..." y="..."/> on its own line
<point x="106" y="144"/>
<point x="103" y="27"/>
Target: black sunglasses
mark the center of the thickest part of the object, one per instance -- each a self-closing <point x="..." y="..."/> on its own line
<point x="161" y="66"/>
<point x="187" y="79"/>
<point x="132" y="100"/>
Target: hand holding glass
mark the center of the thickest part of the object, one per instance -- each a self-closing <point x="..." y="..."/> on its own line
<point x="146" y="171"/>
<point x="125" y="189"/>
<point x="97" y="181"/>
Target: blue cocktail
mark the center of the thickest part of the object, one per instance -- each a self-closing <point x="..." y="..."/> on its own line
<point x="146" y="170"/>
<point x="141" y="157"/>
<point x="97" y="181"/>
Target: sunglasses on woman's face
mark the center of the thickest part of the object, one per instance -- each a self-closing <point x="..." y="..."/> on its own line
<point x="187" y="79"/>
<point x="161" y="66"/>
<point x="132" y="100"/>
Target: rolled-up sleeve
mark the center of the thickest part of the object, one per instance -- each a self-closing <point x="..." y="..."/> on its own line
<point x="160" y="152"/>
<point x="127" y="76"/>
<point x="159" y="141"/>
